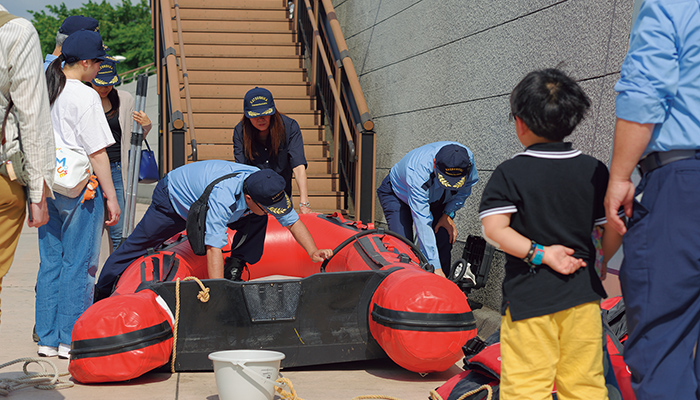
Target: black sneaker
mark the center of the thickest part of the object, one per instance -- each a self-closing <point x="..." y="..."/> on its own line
<point x="233" y="268"/>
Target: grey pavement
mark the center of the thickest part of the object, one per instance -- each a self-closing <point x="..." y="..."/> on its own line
<point x="328" y="382"/>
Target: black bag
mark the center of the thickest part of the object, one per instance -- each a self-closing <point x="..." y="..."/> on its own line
<point x="197" y="218"/>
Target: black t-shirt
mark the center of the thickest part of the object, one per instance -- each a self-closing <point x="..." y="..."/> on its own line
<point x="555" y="196"/>
<point x="115" y="151"/>
<point x="289" y="156"/>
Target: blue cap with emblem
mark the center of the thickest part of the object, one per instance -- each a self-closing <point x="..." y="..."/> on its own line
<point x="266" y="187"/>
<point x="258" y="102"/>
<point x="107" y="75"/>
<point x="452" y="165"/>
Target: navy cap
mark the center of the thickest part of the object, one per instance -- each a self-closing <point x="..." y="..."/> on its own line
<point x="266" y="187"/>
<point x="83" y="45"/>
<point x="258" y="102"/>
<point x="452" y="165"/>
<point x="75" y="23"/>
<point x="107" y="76"/>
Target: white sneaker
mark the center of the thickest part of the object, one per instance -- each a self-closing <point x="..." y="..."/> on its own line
<point x="47" y="351"/>
<point x="63" y="351"/>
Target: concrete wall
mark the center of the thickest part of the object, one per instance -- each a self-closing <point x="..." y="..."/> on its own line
<point x="443" y="70"/>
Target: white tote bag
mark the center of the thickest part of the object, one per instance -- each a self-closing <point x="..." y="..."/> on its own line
<point x="72" y="171"/>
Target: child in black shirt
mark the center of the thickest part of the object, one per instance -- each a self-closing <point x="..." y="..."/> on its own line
<point x="540" y="207"/>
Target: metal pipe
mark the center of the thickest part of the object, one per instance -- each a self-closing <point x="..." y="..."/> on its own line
<point x="132" y="179"/>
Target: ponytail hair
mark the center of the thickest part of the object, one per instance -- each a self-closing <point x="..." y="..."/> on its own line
<point x="55" y="79"/>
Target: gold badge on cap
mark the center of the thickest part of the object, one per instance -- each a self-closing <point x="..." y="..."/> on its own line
<point x="278" y="210"/>
<point x="444" y="182"/>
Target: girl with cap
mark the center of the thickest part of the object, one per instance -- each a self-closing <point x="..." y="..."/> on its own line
<point x="69" y="243"/>
<point x="118" y="107"/>
<point x="268" y="139"/>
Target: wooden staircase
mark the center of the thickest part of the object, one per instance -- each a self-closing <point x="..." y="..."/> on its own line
<point x="232" y="46"/>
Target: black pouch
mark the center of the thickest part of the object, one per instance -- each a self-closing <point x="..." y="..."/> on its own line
<point x="197" y="218"/>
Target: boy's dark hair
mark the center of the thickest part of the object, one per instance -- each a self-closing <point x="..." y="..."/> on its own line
<point x="550" y="103"/>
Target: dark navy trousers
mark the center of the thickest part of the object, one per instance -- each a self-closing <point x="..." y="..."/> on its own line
<point x="398" y="217"/>
<point x="660" y="279"/>
<point x="161" y="222"/>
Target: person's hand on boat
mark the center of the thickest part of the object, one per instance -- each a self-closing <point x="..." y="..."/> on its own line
<point x="321" y="254"/>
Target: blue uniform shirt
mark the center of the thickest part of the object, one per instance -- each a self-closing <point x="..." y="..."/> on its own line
<point x="660" y="74"/>
<point x="48" y="60"/>
<point x="226" y="201"/>
<point x="414" y="183"/>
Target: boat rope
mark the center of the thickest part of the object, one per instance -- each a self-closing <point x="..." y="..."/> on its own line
<point x="44" y="380"/>
<point x="203" y="296"/>
<point x="292" y="394"/>
<point x="489" y="393"/>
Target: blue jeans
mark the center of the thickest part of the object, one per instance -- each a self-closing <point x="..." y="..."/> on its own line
<point x="115" y="231"/>
<point x="69" y="249"/>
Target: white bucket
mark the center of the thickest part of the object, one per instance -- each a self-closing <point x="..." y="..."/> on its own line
<point x="246" y="374"/>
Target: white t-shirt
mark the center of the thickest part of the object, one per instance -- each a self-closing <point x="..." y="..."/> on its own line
<point x="79" y="120"/>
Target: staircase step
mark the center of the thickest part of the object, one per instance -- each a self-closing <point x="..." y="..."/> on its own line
<point x="225" y="151"/>
<point x="209" y="120"/>
<point x="236" y="105"/>
<point x="322" y="183"/>
<point x="230" y="26"/>
<point x="230" y="14"/>
<point x="253" y="78"/>
<point x="241" y="49"/>
<point x="239" y="4"/>
<point x="225" y="135"/>
<point x="282" y="37"/>
<point x="326" y="203"/>
<point x="244" y="63"/>
<point x="238" y="90"/>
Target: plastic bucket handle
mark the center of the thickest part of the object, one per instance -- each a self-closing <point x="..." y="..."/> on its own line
<point x="255" y="374"/>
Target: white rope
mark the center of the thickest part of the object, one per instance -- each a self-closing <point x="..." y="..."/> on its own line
<point x="44" y="380"/>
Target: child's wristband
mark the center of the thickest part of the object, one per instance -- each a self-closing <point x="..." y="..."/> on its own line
<point x="539" y="255"/>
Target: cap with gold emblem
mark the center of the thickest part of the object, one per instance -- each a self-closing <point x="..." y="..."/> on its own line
<point x="452" y="165"/>
<point x="258" y="102"/>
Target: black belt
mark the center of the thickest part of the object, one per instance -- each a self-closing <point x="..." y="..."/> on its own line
<point x="660" y="158"/>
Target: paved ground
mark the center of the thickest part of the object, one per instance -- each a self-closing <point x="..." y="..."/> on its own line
<point x="338" y="381"/>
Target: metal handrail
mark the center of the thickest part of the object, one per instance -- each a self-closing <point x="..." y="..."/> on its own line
<point x="336" y="94"/>
<point x="128" y="76"/>
<point x="186" y="81"/>
<point x="168" y="81"/>
<point x="349" y="66"/>
<point x="335" y="82"/>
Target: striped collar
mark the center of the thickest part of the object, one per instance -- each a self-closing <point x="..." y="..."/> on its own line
<point x="556" y="150"/>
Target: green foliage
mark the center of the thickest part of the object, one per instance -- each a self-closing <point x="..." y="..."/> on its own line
<point x="126" y="29"/>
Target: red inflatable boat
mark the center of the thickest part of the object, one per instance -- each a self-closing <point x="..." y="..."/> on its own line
<point x="370" y="300"/>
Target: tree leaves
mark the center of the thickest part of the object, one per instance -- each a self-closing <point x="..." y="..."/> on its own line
<point x="126" y="29"/>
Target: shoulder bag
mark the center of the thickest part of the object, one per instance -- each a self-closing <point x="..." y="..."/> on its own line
<point x="197" y="218"/>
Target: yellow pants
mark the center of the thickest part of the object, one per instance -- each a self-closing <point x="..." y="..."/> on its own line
<point x="565" y="348"/>
<point x="12" y="211"/>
